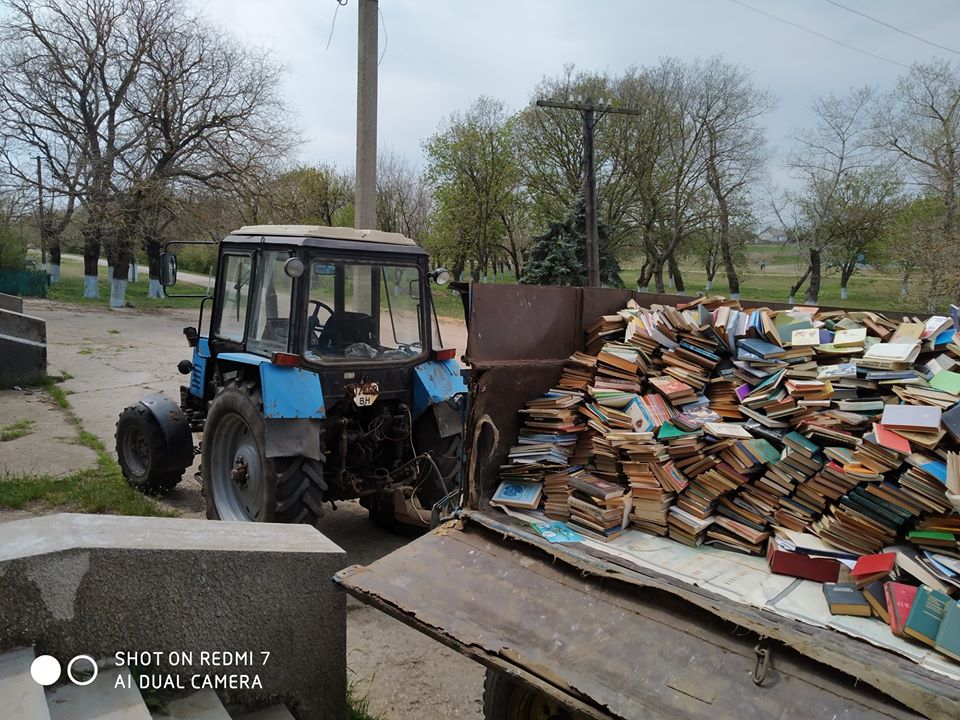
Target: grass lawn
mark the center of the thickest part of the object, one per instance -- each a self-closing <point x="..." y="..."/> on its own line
<point x="100" y="489"/>
<point x="70" y="289"/>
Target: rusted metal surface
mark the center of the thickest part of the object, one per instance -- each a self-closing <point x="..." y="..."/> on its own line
<point x="617" y="650"/>
<point x="926" y="692"/>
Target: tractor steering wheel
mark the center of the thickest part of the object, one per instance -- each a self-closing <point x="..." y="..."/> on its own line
<point x="313" y="323"/>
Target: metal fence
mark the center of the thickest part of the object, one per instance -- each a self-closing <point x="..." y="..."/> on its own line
<point x="27" y="283"/>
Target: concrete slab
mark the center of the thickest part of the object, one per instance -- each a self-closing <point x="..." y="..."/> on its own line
<point x="13" y="303"/>
<point x="21" y="696"/>
<point x="106" y="698"/>
<point x="50" y="447"/>
<point x="202" y="705"/>
<point x="99" y="584"/>
<point x="23" y="349"/>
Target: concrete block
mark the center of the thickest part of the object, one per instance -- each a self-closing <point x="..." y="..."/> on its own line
<point x="110" y="696"/>
<point x="21" y="697"/>
<point x="13" y="303"/>
<point x="99" y="585"/>
<point x="25" y="327"/>
<point x="203" y="705"/>
<point x="23" y="349"/>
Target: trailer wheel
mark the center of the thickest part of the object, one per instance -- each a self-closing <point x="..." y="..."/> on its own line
<point x="140" y="449"/>
<point x="505" y="699"/>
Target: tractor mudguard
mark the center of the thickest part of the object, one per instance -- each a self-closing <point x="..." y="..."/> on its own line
<point x="434" y="382"/>
<point x="175" y="428"/>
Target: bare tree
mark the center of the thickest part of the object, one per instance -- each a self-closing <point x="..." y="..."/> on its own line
<point x="735" y="148"/>
<point x="827" y="163"/>
<point x="919" y="122"/>
<point x="403" y="198"/>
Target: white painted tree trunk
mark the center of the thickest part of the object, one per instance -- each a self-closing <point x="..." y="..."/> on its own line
<point x="118" y="293"/>
<point x="132" y="273"/>
<point x="709" y="285"/>
<point x="791" y="299"/>
<point x="641" y="289"/>
<point x="91" y="288"/>
<point x="155" y="290"/>
<point x="54" y="274"/>
<point x="843" y="293"/>
<point x="735" y="296"/>
<point x="904" y="287"/>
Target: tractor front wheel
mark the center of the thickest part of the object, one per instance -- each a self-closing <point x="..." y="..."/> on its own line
<point x="140" y="451"/>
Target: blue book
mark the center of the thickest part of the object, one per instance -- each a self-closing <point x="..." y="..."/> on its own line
<point x="948" y="637"/>
<point x="514" y="493"/>
<point x="926" y="615"/>
<point x="759" y="347"/>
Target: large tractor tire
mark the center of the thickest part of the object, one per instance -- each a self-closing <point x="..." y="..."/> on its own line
<point x="435" y="480"/>
<point x="141" y="448"/>
<point x="505" y="699"/>
<point x="240" y="482"/>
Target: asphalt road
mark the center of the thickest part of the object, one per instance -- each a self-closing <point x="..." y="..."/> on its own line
<point x="116" y="356"/>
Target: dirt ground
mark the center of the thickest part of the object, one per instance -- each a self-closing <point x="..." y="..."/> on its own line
<point x="114" y="357"/>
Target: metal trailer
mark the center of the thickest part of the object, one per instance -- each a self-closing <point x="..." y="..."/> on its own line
<point x="570" y="631"/>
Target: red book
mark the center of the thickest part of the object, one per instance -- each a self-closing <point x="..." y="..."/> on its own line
<point x="899" y="601"/>
<point x="889" y="439"/>
<point x="784" y="562"/>
<point x="879" y="564"/>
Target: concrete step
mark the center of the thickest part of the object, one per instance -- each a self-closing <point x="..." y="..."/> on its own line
<point x="202" y="705"/>
<point x="274" y="712"/>
<point x="100" y="700"/>
<point x="20" y="695"/>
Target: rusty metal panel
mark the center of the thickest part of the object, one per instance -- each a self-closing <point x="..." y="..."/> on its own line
<point x="510" y="322"/>
<point x="496" y="395"/>
<point x="597" y="302"/>
<point x="604" y="648"/>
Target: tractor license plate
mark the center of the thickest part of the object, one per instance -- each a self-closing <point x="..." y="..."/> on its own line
<point x="366" y="395"/>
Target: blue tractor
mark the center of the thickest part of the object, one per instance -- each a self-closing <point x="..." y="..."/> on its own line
<point x="321" y="377"/>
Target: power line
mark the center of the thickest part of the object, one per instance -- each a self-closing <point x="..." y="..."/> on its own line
<point x="340" y="4"/>
<point x="819" y="34"/>
<point x="893" y="27"/>
<point x="386" y="40"/>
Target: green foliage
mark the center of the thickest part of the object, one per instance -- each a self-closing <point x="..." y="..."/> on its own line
<point x="13" y="246"/>
<point x="559" y="256"/>
<point x="196" y="258"/>
<point x="473" y="166"/>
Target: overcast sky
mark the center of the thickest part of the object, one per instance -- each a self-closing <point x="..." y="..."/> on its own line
<point x="440" y="55"/>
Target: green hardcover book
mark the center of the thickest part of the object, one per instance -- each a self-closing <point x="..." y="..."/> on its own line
<point x="668" y="430"/>
<point x="803" y="442"/>
<point x="762" y="450"/>
<point x="926" y="615"/>
<point x="948" y="637"/>
<point x="918" y="536"/>
<point x="946" y="380"/>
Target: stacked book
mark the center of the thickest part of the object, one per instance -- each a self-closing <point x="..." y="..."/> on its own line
<point x="598" y="509"/>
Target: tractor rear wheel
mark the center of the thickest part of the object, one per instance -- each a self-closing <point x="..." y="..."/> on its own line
<point x="239" y="481"/>
<point x="140" y="451"/>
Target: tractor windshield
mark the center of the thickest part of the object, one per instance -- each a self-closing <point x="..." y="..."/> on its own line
<point x="363" y="312"/>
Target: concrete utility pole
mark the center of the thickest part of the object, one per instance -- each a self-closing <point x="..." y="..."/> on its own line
<point x="40" y="223"/>
<point x="365" y="205"/>
<point x="591" y="112"/>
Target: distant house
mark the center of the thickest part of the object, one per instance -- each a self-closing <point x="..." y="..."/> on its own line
<point x="772" y="234"/>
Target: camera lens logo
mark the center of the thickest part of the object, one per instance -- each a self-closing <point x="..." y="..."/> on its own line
<point x="45" y="670"/>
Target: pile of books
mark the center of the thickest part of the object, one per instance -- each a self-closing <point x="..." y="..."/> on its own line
<point x="711" y="423"/>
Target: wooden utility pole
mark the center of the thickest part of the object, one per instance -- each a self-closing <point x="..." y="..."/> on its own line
<point x="591" y="112"/>
<point x="41" y="230"/>
<point x="365" y="204"/>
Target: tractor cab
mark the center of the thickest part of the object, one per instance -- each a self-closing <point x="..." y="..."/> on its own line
<point x="321" y="378"/>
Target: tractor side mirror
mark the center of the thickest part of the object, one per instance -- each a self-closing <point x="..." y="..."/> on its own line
<point x="441" y="276"/>
<point x="168" y="269"/>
